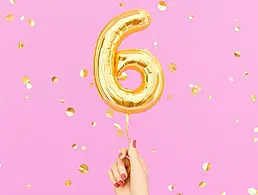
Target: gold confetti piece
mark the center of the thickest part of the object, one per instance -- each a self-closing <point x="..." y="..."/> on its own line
<point x="22" y="17"/>
<point x="92" y="84"/>
<point x="120" y="132"/>
<point x="252" y="191"/>
<point x="206" y="166"/>
<point x="255" y="139"/>
<point x="253" y="97"/>
<point x="209" y="97"/>
<point x="191" y="85"/>
<point x="196" y="89"/>
<point x="93" y="124"/>
<point x="162" y="6"/>
<point x="12" y="1"/>
<point x="28" y="186"/>
<point x="70" y="111"/>
<point x="62" y="101"/>
<point x="170" y="187"/>
<point x="83" y="148"/>
<point x="84" y="168"/>
<point x="122" y="77"/>
<point x="246" y="73"/>
<point x="68" y="183"/>
<point x="223" y="193"/>
<point x="155" y="43"/>
<point x="169" y="97"/>
<point x="117" y="126"/>
<point x="154" y="150"/>
<point x="74" y="146"/>
<point x="237" y="54"/>
<point x="202" y="184"/>
<point x="9" y="17"/>
<point x="26" y="80"/>
<point x="121" y="4"/>
<point x="29" y="86"/>
<point x="26" y="97"/>
<point x="110" y="113"/>
<point x="256" y="129"/>
<point x="191" y="16"/>
<point x="178" y="194"/>
<point x="20" y="45"/>
<point x="172" y="67"/>
<point x="231" y="79"/>
<point x="31" y="23"/>
<point x="237" y="120"/>
<point x="83" y="73"/>
<point x="54" y="79"/>
<point x="237" y="28"/>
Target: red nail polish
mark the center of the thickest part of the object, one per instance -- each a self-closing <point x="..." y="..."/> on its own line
<point x="120" y="154"/>
<point x="123" y="176"/>
<point x="116" y="185"/>
<point x="134" y="143"/>
<point x="121" y="183"/>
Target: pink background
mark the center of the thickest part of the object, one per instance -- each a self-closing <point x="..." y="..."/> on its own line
<point x="36" y="135"/>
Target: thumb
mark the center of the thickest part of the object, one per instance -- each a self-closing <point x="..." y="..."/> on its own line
<point x="133" y="153"/>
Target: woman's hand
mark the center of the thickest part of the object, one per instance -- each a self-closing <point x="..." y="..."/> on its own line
<point x="129" y="174"/>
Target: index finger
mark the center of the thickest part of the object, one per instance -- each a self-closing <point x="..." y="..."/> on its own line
<point x="123" y="153"/>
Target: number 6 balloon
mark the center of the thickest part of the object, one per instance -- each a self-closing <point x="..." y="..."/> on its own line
<point x="109" y="64"/>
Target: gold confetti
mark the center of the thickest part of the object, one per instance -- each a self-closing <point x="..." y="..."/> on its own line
<point x="120" y="132"/>
<point x="110" y="113"/>
<point x="191" y="16"/>
<point x="209" y="97"/>
<point x="162" y="6"/>
<point x="83" y="148"/>
<point x="256" y="129"/>
<point x="117" y="126"/>
<point x="169" y="97"/>
<point x="237" y="28"/>
<point x="92" y="84"/>
<point x="231" y="79"/>
<point x="255" y="139"/>
<point x="237" y="120"/>
<point x="195" y="89"/>
<point x="9" y="17"/>
<point x="84" y="168"/>
<point x="178" y="194"/>
<point x="31" y="23"/>
<point x="206" y="166"/>
<point x="26" y="97"/>
<point x="28" y="186"/>
<point x="252" y="191"/>
<point x="202" y="184"/>
<point x="155" y="43"/>
<point x="172" y="67"/>
<point x="237" y="54"/>
<point x="223" y="193"/>
<point x="20" y="45"/>
<point x="12" y="1"/>
<point x="93" y="124"/>
<point x="154" y="150"/>
<point x="62" y="101"/>
<point x="121" y="4"/>
<point x="74" y="146"/>
<point x="170" y="187"/>
<point x="122" y="77"/>
<point x="68" y="183"/>
<point x="246" y="73"/>
<point x="26" y="80"/>
<point x="29" y="86"/>
<point x="54" y="79"/>
<point x="83" y="73"/>
<point x="70" y="111"/>
<point x="22" y="17"/>
<point x="253" y="97"/>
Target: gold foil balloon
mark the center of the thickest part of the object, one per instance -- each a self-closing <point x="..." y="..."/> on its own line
<point x="109" y="64"/>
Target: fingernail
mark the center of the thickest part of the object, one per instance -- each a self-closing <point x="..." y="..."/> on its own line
<point x="116" y="185"/>
<point x="134" y="143"/>
<point x="123" y="176"/>
<point x="120" y="154"/>
<point x="121" y="183"/>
